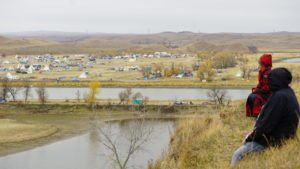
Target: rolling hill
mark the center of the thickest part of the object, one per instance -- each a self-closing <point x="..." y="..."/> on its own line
<point x="100" y="43"/>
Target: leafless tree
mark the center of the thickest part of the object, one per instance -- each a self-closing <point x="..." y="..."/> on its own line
<point x="137" y="135"/>
<point x="4" y="89"/>
<point x="78" y="96"/>
<point x="3" y="55"/>
<point x="125" y="96"/>
<point x="137" y="96"/>
<point x="252" y="49"/>
<point x="246" y="72"/>
<point x="218" y="96"/>
<point x="42" y="93"/>
<point x="27" y="90"/>
<point x="13" y="92"/>
<point x="146" y="100"/>
<point x="245" y="69"/>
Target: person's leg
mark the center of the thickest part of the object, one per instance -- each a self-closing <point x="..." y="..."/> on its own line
<point x="245" y="149"/>
<point x="250" y="104"/>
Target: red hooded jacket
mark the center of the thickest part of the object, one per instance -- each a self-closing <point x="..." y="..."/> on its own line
<point x="266" y="65"/>
<point x="262" y="90"/>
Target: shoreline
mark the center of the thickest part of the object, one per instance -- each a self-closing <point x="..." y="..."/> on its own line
<point x="143" y="84"/>
<point x="68" y="131"/>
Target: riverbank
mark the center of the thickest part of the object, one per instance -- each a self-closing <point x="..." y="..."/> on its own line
<point x="209" y="142"/>
<point x="26" y="126"/>
<point x="170" y="83"/>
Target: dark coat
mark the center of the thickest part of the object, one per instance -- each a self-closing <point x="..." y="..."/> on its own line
<point x="278" y="120"/>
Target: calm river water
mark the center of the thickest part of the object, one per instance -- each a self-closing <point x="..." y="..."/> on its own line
<point x="152" y="93"/>
<point x="87" y="152"/>
<point x="291" y="60"/>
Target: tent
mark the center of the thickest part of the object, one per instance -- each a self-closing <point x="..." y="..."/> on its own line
<point x="46" y="68"/>
<point x="29" y="70"/>
<point x="10" y="77"/>
<point x="83" y="76"/>
<point x="239" y="74"/>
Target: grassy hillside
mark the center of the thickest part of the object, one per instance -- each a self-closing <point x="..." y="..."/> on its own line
<point x="11" y="44"/>
<point x="210" y="141"/>
<point x="186" y="42"/>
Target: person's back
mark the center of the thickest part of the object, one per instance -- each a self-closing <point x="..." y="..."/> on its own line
<point x="279" y="117"/>
<point x="278" y="120"/>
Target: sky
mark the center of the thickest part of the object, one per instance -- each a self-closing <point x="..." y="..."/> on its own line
<point x="150" y="16"/>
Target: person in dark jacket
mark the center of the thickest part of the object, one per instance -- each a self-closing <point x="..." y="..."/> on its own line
<point x="261" y="92"/>
<point x="278" y="119"/>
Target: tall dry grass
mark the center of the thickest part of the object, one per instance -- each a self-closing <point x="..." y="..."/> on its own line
<point x="210" y="141"/>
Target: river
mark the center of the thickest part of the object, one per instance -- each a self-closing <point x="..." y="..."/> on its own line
<point x="87" y="152"/>
<point x="152" y="93"/>
<point x="291" y="60"/>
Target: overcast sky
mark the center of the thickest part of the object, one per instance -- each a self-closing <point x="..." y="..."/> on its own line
<point x="150" y="16"/>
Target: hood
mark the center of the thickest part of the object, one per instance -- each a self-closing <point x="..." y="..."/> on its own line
<point x="279" y="78"/>
<point x="266" y="60"/>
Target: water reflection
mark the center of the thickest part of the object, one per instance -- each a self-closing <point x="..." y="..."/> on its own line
<point x="86" y="152"/>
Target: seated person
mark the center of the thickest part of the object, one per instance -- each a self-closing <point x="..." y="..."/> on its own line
<point x="261" y="93"/>
<point x="278" y="120"/>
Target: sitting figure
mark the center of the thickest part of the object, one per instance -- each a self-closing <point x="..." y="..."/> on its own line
<point x="261" y="93"/>
<point x="277" y="121"/>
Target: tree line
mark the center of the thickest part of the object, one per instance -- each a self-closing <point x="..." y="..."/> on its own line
<point x="8" y="90"/>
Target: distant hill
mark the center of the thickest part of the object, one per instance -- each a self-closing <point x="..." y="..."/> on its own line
<point x="100" y="43"/>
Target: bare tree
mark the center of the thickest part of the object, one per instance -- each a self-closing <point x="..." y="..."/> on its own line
<point x="42" y="93"/>
<point x="27" y="90"/>
<point x="252" y="49"/>
<point x="218" y="96"/>
<point x="137" y="95"/>
<point x="4" y="89"/>
<point x="3" y="55"/>
<point x="246" y="72"/>
<point x="78" y="96"/>
<point x="245" y="69"/>
<point x="13" y="92"/>
<point x="137" y="135"/>
<point x="145" y="102"/>
<point x="125" y="96"/>
<point x="7" y="89"/>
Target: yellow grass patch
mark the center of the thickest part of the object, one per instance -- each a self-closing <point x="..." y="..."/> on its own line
<point x="12" y="131"/>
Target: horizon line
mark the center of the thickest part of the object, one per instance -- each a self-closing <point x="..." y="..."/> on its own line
<point x="148" y="33"/>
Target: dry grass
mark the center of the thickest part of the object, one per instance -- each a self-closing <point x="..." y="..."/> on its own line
<point x="210" y="141"/>
<point x="12" y="131"/>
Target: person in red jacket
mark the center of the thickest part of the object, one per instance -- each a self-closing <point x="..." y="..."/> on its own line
<point x="261" y="93"/>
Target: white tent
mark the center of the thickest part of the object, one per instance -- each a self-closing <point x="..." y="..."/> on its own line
<point x="46" y="68"/>
<point x="132" y="60"/>
<point x="30" y="70"/>
<point x="239" y="74"/>
<point x="10" y="77"/>
<point x="83" y="76"/>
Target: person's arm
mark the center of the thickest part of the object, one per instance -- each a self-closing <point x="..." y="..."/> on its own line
<point x="262" y="86"/>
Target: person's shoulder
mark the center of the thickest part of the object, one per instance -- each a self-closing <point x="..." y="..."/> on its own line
<point x="283" y="92"/>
